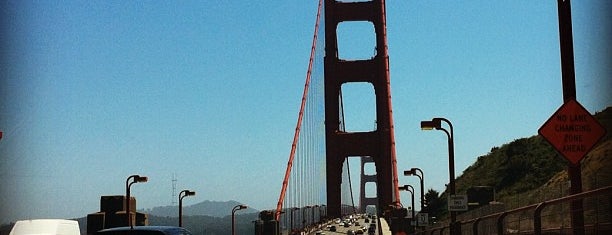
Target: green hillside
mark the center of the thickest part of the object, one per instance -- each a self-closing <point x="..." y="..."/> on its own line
<point x="519" y="166"/>
<point x="528" y="170"/>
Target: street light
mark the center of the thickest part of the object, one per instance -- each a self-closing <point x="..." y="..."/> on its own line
<point x="324" y="211"/>
<point x="410" y="189"/>
<point x="292" y="210"/>
<point x="187" y="193"/>
<point x="304" y="217"/>
<point x="313" y="212"/>
<point x="236" y="208"/>
<point x="436" y="123"/>
<point x="137" y="179"/>
<point x="321" y="210"/>
<point x="413" y="171"/>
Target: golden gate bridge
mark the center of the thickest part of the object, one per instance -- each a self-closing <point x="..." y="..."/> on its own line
<point x="317" y="184"/>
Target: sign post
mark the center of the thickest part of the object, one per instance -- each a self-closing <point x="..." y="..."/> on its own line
<point x="572" y="131"/>
<point x="568" y="80"/>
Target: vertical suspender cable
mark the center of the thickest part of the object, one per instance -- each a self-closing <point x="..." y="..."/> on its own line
<point x="279" y="205"/>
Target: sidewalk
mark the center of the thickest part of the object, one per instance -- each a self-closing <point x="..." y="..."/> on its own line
<point x="384" y="227"/>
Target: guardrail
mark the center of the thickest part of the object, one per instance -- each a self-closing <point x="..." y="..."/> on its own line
<point x="533" y="224"/>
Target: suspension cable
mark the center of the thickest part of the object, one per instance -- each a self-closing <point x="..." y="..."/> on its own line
<point x="279" y="205"/>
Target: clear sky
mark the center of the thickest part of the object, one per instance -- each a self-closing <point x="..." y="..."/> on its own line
<point x="94" y="91"/>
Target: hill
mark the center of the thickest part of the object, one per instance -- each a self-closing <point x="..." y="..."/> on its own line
<point x="529" y="170"/>
<point x="206" y="208"/>
<point x="207" y="217"/>
<point x="209" y="225"/>
<point x="196" y="224"/>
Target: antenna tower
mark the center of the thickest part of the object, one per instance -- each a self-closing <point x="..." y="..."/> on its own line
<point x="174" y="189"/>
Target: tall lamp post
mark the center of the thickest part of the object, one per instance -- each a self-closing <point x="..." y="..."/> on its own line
<point x="137" y="179"/>
<point x="410" y="189"/>
<point x="304" y="217"/>
<point x="436" y="123"/>
<point x="313" y="212"/>
<point x="291" y="228"/>
<point x="236" y="208"/>
<point x="321" y="210"/>
<point x="183" y="194"/>
<point x="413" y="171"/>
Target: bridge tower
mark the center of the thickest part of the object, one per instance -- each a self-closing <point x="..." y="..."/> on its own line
<point x="364" y="201"/>
<point x="378" y="144"/>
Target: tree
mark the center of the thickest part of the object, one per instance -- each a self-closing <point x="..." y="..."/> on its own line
<point x="433" y="205"/>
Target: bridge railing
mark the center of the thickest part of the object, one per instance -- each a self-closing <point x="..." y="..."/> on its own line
<point x="551" y="216"/>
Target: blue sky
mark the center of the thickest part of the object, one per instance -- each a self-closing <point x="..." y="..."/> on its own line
<point x="92" y="92"/>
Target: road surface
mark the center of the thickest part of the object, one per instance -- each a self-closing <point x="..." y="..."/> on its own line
<point x="341" y="229"/>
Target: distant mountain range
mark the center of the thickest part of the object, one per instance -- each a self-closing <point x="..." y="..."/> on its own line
<point x="207" y="208"/>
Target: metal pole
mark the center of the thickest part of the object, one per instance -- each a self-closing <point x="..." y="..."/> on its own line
<point x="304" y="218"/>
<point x="451" y="171"/>
<point x="421" y="178"/>
<point x="180" y="210"/>
<point x="568" y="78"/>
<point x="412" y="198"/>
<point x="236" y="208"/>
<point x="233" y="211"/>
<point x="291" y="226"/>
<point x="312" y="212"/>
<point x="127" y="203"/>
<point x="127" y="200"/>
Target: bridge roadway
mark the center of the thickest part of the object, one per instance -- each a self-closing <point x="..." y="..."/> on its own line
<point x="340" y="229"/>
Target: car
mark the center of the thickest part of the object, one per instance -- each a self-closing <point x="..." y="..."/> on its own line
<point x="359" y="231"/>
<point x="46" y="226"/>
<point x="350" y="232"/>
<point x="332" y="228"/>
<point x="145" y="230"/>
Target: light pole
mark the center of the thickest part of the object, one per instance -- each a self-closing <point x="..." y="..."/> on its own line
<point x="181" y="196"/>
<point x="291" y="228"/>
<point x="304" y="217"/>
<point x="324" y="211"/>
<point x="137" y="179"/>
<point x="236" y="208"/>
<point x="410" y="189"/>
<point x="321" y="217"/>
<point x="413" y="171"/>
<point x="436" y="123"/>
<point x="313" y="212"/>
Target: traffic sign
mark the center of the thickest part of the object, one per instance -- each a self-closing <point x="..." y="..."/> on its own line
<point x="423" y="219"/>
<point x="572" y="131"/>
<point x="457" y="203"/>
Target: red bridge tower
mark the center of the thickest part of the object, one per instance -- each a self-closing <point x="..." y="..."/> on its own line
<point x="378" y="144"/>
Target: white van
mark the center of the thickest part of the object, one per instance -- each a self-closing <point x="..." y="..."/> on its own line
<point x="46" y="227"/>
